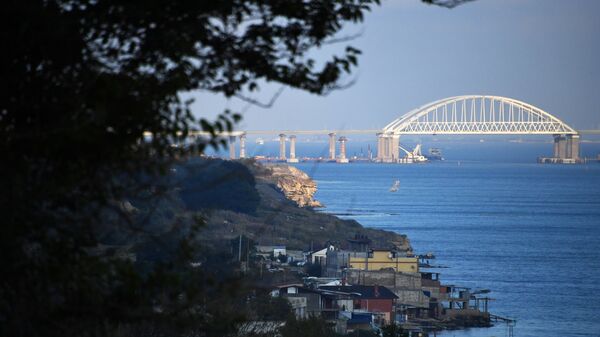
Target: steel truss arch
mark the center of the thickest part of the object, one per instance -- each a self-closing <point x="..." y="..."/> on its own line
<point x="478" y="114"/>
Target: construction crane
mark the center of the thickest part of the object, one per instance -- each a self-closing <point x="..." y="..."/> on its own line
<point x="415" y="155"/>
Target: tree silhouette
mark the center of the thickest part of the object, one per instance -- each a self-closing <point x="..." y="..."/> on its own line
<point x="81" y="83"/>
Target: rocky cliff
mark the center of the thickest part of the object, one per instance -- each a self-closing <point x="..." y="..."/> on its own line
<point x="270" y="204"/>
<point x="294" y="183"/>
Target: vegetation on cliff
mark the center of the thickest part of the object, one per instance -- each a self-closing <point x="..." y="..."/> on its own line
<point x="276" y="216"/>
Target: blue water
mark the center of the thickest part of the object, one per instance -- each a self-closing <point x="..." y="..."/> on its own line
<point x="528" y="232"/>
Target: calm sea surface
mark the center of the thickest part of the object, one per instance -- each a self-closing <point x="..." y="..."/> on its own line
<point x="528" y="232"/>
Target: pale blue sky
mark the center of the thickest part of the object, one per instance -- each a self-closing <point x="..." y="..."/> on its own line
<point x="544" y="52"/>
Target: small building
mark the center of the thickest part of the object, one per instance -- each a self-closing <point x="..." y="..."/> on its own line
<point x="378" y="259"/>
<point x="320" y="256"/>
<point x="377" y="300"/>
<point x="407" y="286"/>
<point x="305" y="302"/>
<point x="339" y="260"/>
<point x="267" y="251"/>
<point x="295" y="255"/>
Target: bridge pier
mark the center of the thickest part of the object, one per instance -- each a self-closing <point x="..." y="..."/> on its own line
<point x="343" y="159"/>
<point x="282" y="147"/>
<point x="379" y="157"/>
<point x="565" y="149"/>
<point x="388" y="148"/>
<point x="560" y="146"/>
<point x="394" y="143"/>
<point x="332" y="146"/>
<point x="573" y="146"/>
<point x="242" y="145"/>
<point x="231" y="147"/>
<point x="292" y="158"/>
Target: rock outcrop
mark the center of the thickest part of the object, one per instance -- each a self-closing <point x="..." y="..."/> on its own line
<point x="295" y="184"/>
<point x="284" y="214"/>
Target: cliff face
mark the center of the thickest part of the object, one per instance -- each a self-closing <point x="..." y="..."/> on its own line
<point x="278" y="202"/>
<point x="295" y="185"/>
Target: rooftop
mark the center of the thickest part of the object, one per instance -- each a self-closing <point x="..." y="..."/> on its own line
<point x="362" y="291"/>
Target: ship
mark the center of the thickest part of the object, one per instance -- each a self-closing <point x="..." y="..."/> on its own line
<point x="413" y="156"/>
<point x="395" y="187"/>
<point x="435" y="154"/>
<point x="260" y="141"/>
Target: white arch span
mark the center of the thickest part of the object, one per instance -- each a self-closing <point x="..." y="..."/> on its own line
<point x="478" y="114"/>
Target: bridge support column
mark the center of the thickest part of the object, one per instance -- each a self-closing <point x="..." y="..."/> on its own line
<point x="332" y="146"/>
<point x="573" y="146"/>
<point x="292" y="158"/>
<point x="343" y="159"/>
<point x="379" y="157"/>
<point x="242" y="145"/>
<point x="394" y="148"/>
<point x="388" y="148"/>
<point x="282" y="147"/>
<point x="560" y="147"/>
<point x="231" y="147"/>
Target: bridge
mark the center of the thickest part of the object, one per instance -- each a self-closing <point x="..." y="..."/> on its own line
<point x="479" y="115"/>
<point x="459" y="115"/>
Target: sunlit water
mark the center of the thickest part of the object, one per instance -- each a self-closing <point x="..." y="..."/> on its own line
<point x="528" y="232"/>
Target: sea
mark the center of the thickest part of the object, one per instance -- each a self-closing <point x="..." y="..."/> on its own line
<point x="493" y="217"/>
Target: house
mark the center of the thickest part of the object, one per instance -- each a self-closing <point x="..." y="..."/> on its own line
<point x="378" y="259"/>
<point x="305" y="302"/>
<point x="375" y="299"/>
<point x="295" y="255"/>
<point x="407" y="286"/>
<point x="349" y="307"/>
<point x="320" y="256"/>
<point x="338" y="260"/>
<point x="267" y="251"/>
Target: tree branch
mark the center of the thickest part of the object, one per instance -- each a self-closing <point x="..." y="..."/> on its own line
<point x="261" y="104"/>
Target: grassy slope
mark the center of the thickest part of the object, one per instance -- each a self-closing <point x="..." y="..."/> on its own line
<point x="272" y="219"/>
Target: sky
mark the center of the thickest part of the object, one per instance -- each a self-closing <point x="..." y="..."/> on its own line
<point x="543" y="52"/>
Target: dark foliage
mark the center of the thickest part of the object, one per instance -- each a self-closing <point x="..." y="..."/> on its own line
<point x="393" y="330"/>
<point x="218" y="184"/>
<point x="364" y="333"/>
<point x="81" y="82"/>
<point x="268" y="308"/>
<point x="313" y="269"/>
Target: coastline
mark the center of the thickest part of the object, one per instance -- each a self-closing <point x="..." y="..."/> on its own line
<point x="281" y="214"/>
<point x="300" y="188"/>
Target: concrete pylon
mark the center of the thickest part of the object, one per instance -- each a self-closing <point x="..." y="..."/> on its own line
<point x="560" y="146"/>
<point x="332" y="146"/>
<point x="565" y="148"/>
<point x="231" y="147"/>
<point x="243" y="145"/>
<point x="394" y="148"/>
<point x="380" y="142"/>
<point x="556" y="146"/>
<point x="342" y="159"/>
<point x="573" y="146"/>
<point x="388" y="148"/>
<point x="292" y="158"/>
<point x="282" y="147"/>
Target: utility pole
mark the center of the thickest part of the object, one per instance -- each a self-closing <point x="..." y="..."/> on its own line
<point x="240" y="250"/>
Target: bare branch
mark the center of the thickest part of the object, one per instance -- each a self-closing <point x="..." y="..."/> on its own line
<point x="447" y="3"/>
<point x="345" y="38"/>
<point x="340" y="86"/>
<point x="261" y="104"/>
